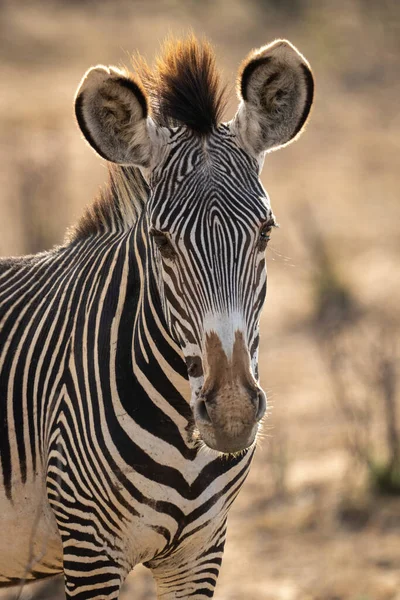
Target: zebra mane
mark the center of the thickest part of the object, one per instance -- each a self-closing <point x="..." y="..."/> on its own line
<point x="183" y="89"/>
<point x="184" y="86"/>
<point x="117" y="206"/>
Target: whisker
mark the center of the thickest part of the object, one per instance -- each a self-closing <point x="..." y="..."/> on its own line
<point x="287" y="260"/>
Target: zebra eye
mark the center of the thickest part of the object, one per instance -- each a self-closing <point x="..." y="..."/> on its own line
<point x="264" y="236"/>
<point x="163" y="244"/>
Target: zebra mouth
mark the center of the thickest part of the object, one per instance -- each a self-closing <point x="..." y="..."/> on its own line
<point x="227" y="443"/>
<point x="232" y="435"/>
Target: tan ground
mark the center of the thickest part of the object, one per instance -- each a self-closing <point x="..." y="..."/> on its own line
<point x="304" y="526"/>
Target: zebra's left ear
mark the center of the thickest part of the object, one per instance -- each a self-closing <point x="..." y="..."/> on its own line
<point x="276" y="89"/>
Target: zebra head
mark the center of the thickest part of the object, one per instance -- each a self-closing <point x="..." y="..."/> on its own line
<point x="207" y="219"/>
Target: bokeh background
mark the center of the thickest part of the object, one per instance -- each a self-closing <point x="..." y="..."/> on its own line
<point x="319" y="517"/>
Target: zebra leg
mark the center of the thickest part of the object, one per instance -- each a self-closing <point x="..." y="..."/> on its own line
<point x="95" y="556"/>
<point x="94" y="562"/>
<point x="89" y="572"/>
<point x="196" y="577"/>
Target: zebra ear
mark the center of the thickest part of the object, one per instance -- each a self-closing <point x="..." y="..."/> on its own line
<point x="276" y="89"/>
<point x="112" y="112"/>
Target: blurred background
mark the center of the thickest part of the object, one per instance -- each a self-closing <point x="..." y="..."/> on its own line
<point x="319" y="517"/>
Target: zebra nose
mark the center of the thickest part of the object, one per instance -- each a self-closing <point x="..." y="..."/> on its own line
<point x="202" y="412"/>
<point x="206" y="404"/>
<point x="258" y="400"/>
<point x="227" y="418"/>
<point x="261" y="404"/>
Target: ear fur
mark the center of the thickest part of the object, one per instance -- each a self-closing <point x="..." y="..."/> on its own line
<point x="276" y="89"/>
<point x="111" y="109"/>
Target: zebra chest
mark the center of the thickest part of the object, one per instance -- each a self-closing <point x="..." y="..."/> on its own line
<point x="179" y="509"/>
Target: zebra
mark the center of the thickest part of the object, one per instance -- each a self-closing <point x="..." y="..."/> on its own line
<point x="129" y="389"/>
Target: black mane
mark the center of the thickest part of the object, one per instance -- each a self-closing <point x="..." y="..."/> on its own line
<point x="184" y="86"/>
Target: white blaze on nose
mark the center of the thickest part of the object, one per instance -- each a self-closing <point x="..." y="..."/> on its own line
<point x="224" y="325"/>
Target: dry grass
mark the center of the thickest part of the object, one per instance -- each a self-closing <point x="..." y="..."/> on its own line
<point x="304" y="527"/>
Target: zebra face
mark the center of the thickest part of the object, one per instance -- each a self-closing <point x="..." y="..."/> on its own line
<point x="208" y="218"/>
<point x="209" y="224"/>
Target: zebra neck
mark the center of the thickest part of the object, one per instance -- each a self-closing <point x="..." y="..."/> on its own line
<point x="157" y="362"/>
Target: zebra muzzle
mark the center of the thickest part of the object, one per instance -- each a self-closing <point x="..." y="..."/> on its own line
<point x="230" y="404"/>
<point x="229" y="422"/>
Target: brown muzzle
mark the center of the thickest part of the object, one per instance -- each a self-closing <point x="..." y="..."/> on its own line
<point x="231" y="403"/>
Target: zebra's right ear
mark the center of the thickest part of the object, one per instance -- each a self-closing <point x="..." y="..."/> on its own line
<point x="112" y="112"/>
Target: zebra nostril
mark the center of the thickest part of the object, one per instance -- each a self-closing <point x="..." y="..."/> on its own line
<point x="202" y="411"/>
<point x="262" y="405"/>
<point x="194" y="366"/>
